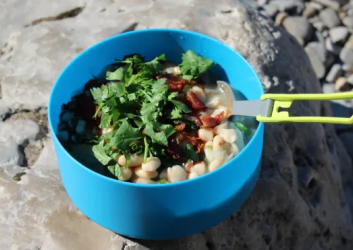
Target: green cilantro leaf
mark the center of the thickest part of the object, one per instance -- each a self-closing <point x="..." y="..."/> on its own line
<point x="175" y="114"/>
<point x="115" y="170"/>
<point x="181" y="106"/>
<point x="99" y="153"/>
<point x="97" y="95"/>
<point x="193" y="66"/>
<point x="117" y="89"/>
<point x="157" y="137"/>
<point x="125" y="135"/>
<point x="105" y="120"/>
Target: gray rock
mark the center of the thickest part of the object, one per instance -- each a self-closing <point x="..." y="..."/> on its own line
<point x="347" y="140"/>
<point x="286" y="5"/>
<point x="316" y="5"/>
<point x="320" y="26"/>
<point x="330" y="46"/>
<point x="4" y="109"/>
<point x="309" y="11"/>
<point x="329" y="3"/>
<point x="334" y="73"/>
<point x="19" y="130"/>
<point x="262" y="2"/>
<point x="304" y="190"/>
<point x="280" y="18"/>
<point x="328" y="88"/>
<point x="314" y="52"/>
<point x="339" y="34"/>
<point x="299" y="27"/>
<point x="9" y="154"/>
<point x="350" y="79"/>
<point x="329" y="17"/>
<point x="341" y="84"/>
<point x="348" y="21"/>
<point x="271" y="10"/>
<point x="346" y="56"/>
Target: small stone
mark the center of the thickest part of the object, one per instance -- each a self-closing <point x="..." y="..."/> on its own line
<point x="19" y="130"/>
<point x="299" y="27"/>
<point x="348" y="21"/>
<point x="262" y="2"/>
<point x="329" y="17"/>
<point x="330" y="46"/>
<point x="325" y="33"/>
<point x="309" y="11"/>
<point x="285" y="5"/>
<point x="316" y="5"/>
<point x="328" y="88"/>
<point x="329" y="60"/>
<point x="349" y="43"/>
<point x="341" y="84"/>
<point x="280" y="18"/>
<point x="347" y="68"/>
<point x="334" y="73"/>
<point x="319" y="25"/>
<point x="339" y="34"/>
<point x="314" y="52"/>
<point x="350" y="79"/>
<point x="329" y="3"/>
<point x="271" y="10"/>
<point x="346" y="56"/>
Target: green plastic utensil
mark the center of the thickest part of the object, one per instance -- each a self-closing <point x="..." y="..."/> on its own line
<point x="267" y="108"/>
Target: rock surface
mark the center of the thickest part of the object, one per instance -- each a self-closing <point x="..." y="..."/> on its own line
<point x="303" y="199"/>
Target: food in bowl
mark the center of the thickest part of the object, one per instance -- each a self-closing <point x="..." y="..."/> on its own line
<point x="154" y="122"/>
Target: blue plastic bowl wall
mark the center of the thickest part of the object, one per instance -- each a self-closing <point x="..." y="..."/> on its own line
<point x="158" y="211"/>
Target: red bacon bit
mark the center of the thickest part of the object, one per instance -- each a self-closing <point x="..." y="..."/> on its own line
<point x="211" y="122"/>
<point x="196" y="142"/>
<point x="176" y="83"/>
<point x="174" y="150"/>
<point x="196" y="103"/>
<point x="180" y="127"/>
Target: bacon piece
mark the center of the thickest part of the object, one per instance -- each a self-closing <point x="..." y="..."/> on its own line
<point x="174" y="150"/>
<point x="176" y="83"/>
<point x="196" y="142"/>
<point x="211" y="122"/>
<point x="196" y="103"/>
<point x="180" y="127"/>
<point x="188" y="166"/>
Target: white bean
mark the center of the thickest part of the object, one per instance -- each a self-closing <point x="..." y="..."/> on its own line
<point x="80" y="128"/>
<point x="218" y="143"/>
<point x="229" y="135"/>
<point x="135" y="160"/>
<point x="219" y="110"/>
<point x="193" y="175"/>
<point x="222" y="154"/>
<point x="176" y="173"/>
<point x="200" y="93"/>
<point x="126" y="174"/>
<point x="145" y="174"/>
<point x="219" y="127"/>
<point x="152" y="163"/>
<point x="205" y="135"/>
<point x="213" y="102"/>
<point x="140" y="180"/>
<point x="199" y="168"/>
<point x="163" y="174"/>
<point x="215" y="164"/>
<point x="209" y="151"/>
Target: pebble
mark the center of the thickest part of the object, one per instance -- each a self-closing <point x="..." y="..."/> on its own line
<point x="339" y="34"/>
<point x="286" y="5"/>
<point x="348" y="21"/>
<point x="271" y="10"/>
<point x="314" y="52"/>
<point x="316" y="5"/>
<point x="329" y="17"/>
<point x="346" y="56"/>
<point x="309" y="11"/>
<point x="299" y="27"/>
<point x="350" y="79"/>
<point x="328" y="88"/>
<point x="330" y="46"/>
<point x="262" y="2"/>
<point x="319" y="25"/>
<point x="334" y="73"/>
<point x="329" y="3"/>
<point x="341" y="84"/>
<point x="280" y="18"/>
<point x="4" y="109"/>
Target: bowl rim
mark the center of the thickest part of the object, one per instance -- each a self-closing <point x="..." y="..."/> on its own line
<point x="139" y="185"/>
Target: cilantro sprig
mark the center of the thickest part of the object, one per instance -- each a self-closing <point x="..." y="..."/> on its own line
<point x="139" y="109"/>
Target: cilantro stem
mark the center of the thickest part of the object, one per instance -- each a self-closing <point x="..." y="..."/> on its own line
<point x="148" y="97"/>
<point x="146" y="149"/>
<point x="98" y="109"/>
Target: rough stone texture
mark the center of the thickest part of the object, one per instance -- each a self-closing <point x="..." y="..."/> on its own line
<point x="303" y="199"/>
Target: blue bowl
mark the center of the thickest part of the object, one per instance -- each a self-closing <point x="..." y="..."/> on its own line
<point x="158" y="211"/>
